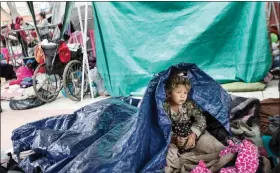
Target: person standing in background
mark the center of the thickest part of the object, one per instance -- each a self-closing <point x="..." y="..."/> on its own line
<point x="43" y="26"/>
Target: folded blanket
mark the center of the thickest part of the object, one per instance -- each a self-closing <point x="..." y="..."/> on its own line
<point x="244" y="87"/>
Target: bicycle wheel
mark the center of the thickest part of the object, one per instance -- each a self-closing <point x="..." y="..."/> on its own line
<point x="72" y="80"/>
<point x="46" y="87"/>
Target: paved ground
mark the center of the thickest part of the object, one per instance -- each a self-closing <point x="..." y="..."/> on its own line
<point x="12" y="119"/>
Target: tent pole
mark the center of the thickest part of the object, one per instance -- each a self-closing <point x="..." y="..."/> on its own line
<point x="85" y="42"/>
<point x="85" y="56"/>
<point x="83" y="69"/>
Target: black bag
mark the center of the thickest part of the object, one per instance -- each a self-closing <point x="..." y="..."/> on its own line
<point x="25" y="103"/>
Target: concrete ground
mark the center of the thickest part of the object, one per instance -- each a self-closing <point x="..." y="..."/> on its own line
<point x="13" y="119"/>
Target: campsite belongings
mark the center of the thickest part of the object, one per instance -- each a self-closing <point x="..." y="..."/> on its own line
<point x="28" y="103"/>
<point x="39" y="54"/>
<point x="244" y="87"/>
<point x="7" y="71"/>
<point x="207" y="149"/>
<point x="269" y="108"/>
<point x="96" y="78"/>
<point x="26" y="99"/>
<point x="274" y="143"/>
<point x="22" y="72"/>
<point x="140" y="137"/>
<point x="274" y="123"/>
<point x="247" y="159"/>
<point x="26" y="82"/>
<point x="239" y="128"/>
<point x="244" y="109"/>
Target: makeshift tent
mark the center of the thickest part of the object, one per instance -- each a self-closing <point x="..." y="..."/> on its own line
<point x="135" y="40"/>
<point x="113" y="136"/>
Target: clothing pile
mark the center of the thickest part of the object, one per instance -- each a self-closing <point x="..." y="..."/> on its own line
<point x="237" y="157"/>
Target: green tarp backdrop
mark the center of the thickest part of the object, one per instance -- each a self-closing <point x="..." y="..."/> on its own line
<point x="135" y="40"/>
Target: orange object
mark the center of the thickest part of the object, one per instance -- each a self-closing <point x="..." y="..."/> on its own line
<point x="39" y="54"/>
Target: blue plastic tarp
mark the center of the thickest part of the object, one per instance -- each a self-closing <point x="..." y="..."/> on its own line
<point x="112" y="135"/>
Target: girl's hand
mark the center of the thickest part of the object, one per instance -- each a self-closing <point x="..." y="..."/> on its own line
<point x="181" y="141"/>
<point x="191" y="141"/>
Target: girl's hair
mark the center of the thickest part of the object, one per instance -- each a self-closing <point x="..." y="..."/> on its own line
<point x="176" y="80"/>
<point x="42" y="14"/>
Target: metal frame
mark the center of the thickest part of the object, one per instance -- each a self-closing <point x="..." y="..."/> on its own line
<point x="85" y="55"/>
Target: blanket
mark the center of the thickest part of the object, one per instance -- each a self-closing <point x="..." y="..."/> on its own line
<point x="244" y="108"/>
<point x="207" y="149"/>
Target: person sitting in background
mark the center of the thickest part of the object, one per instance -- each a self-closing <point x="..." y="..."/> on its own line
<point x="43" y="26"/>
<point x="23" y="38"/>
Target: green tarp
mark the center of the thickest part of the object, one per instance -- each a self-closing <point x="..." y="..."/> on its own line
<point x="135" y="40"/>
<point x="66" y="17"/>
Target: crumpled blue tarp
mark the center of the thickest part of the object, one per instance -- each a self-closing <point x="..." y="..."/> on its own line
<point x="113" y="136"/>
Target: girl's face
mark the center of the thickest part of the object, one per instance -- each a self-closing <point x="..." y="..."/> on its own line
<point x="179" y="95"/>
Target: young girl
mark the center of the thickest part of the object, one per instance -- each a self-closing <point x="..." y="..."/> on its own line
<point x="188" y="122"/>
<point x="190" y="141"/>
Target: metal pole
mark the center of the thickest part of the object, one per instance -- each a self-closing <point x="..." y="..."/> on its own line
<point x="83" y="62"/>
<point x="87" y="63"/>
<point x="80" y="18"/>
<point x="85" y="57"/>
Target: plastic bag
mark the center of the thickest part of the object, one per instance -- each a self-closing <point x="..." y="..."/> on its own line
<point x="96" y="78"/>
<point x="28" y="103"/>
